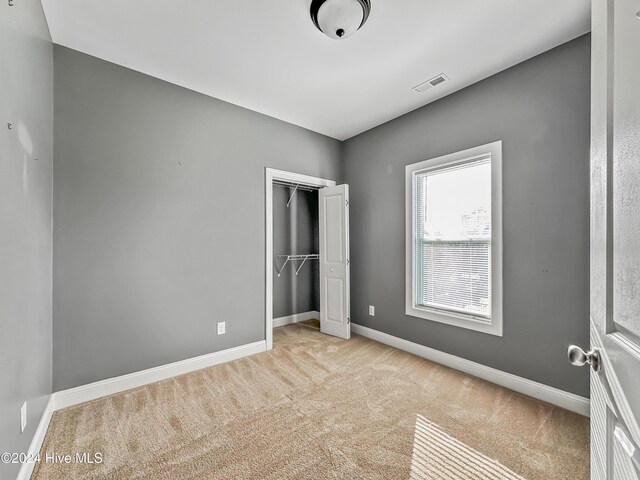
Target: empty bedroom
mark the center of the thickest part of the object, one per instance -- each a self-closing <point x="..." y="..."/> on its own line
<point x="320" y="239"/>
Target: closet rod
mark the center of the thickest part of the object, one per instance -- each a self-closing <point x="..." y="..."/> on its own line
<point x="301" y="186"/>
<point x="296" y="187"/>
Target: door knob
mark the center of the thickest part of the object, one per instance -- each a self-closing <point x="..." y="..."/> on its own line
<point x="578" y="357"/>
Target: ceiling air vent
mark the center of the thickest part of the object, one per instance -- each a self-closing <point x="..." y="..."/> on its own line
<point x="432" y="82"/>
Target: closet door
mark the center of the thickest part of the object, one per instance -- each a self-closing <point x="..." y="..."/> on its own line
<point x="334" y="261"/>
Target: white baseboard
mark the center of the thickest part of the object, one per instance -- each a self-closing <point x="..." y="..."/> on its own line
<point x="103" y="388"/>
<point x="38" y="438"/>
<point x="548" y="394"/>
<point x="93" y="391"/>
<point x="295" y="318"/>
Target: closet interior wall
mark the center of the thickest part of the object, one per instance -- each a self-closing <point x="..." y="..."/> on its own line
<point x="295" y="231"/>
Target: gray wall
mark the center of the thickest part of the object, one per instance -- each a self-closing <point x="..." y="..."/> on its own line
<point x="159" y="218"/>
<point x="26" y="101"/>
<point x="295" y="230"/>
<point x="160" y="226"/>
<point x="540" y="110"/>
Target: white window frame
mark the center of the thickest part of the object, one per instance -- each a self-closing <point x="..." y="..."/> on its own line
<point x="492" y="325"/>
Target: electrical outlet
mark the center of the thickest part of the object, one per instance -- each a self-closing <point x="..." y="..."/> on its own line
<point x="23" y="417"/>
<point x="372" y="310"/>
<point x="221" y="328"/>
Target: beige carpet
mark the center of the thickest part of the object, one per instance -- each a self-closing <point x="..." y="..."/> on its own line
<point x="314" y="408"/>
<point x="439" y="455"/>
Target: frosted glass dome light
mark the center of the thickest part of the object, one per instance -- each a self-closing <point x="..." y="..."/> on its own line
<point x="339" y="19"/>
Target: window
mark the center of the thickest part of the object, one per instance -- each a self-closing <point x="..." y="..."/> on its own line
<point x="454" y="233"/>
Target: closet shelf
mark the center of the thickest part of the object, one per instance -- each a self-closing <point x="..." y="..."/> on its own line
<point x="294" y="258"/>
<point x="295" y="187"/>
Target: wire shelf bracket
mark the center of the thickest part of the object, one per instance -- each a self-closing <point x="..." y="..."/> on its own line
<point x="294" y="258"/>
<point x="292" y="195"/>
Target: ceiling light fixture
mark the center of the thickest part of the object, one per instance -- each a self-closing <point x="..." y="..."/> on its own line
<point x="339" y="19"/>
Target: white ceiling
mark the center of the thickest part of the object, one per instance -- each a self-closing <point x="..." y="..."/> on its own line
<point x="266" y="55"/>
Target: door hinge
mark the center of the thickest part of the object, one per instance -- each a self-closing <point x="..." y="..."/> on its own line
<point x="348" y="320"/>
<point x="348" y="261"/>
<point x="346" y="203"/>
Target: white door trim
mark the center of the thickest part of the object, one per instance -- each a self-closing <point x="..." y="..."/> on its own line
<point x="272" y="174"/>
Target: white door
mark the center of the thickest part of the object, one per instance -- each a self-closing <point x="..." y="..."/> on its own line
<point x="334" y="261"/>
<point x="615" y="240"/>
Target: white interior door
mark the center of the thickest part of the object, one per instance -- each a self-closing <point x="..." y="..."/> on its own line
<point x="615" y="240"/>
<point x="334" y="261"/>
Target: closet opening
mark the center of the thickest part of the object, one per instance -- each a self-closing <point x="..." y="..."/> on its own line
<point x="307" y="253"/>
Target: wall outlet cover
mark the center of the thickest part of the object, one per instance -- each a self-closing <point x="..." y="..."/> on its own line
<point x="372" y="310"/>
<point x="222" y="328"/>
<point x="23" y="417"/>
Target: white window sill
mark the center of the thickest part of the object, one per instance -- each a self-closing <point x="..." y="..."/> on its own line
<point x="479" y="324"/>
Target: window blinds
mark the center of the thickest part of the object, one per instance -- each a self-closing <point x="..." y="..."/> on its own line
<point x="453" y="238"/>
